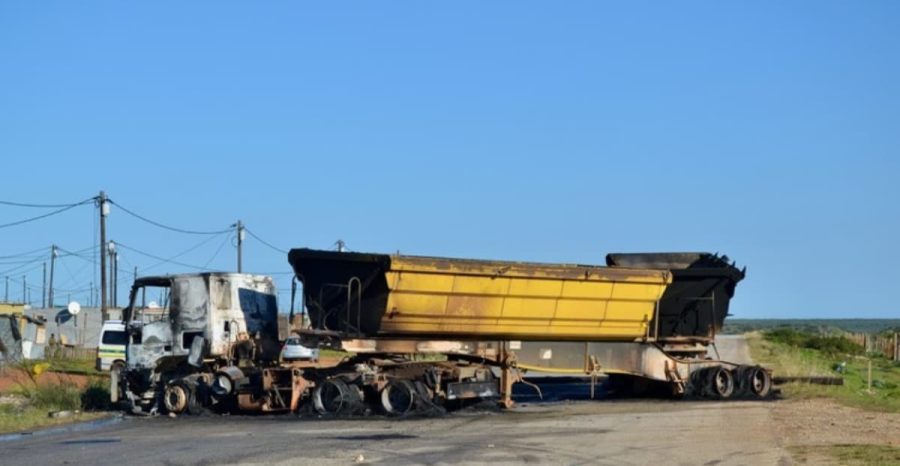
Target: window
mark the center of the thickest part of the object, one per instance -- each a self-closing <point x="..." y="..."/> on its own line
<point x="114" y="337"/>
<point x="150" y="304"/>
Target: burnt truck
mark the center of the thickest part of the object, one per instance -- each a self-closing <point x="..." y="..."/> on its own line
<point x="426" y="333"/>
<point x="185" y="330"/>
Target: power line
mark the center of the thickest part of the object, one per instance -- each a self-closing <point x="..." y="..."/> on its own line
<point x="162" y="259"/>
<point x="79" y="253"/>
<point x="55" y="212"/>
<point x="182" y="253"/>
<point x="167" y="227"/>
<point x="25" y="272"/>
<point x="14" y="269"/>
<point x="283" y="251"/>
<point x="44" y="206"/>
<point x="27" y="253"/>
<point x="216" y="254"/>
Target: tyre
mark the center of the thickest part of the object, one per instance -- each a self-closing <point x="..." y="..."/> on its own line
<point x="758" y="382"/>
<point x="334" y="397"/>
<point x="719" y="383"/>
<point x="177" y="397"/>
<point x="398" y="397"/>
<point x="115" y="382"/>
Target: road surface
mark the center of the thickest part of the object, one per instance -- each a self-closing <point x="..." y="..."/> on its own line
<point x="732" y="348"/>
<point x="584" y="432"/>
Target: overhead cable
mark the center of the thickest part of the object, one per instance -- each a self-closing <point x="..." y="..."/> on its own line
<point x="283" y="251"/>
<point x="49" y="214"/>
<point x="167" y="227"/>
<point x="163" y="259"/>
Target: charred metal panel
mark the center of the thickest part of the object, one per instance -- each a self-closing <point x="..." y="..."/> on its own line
<point x="326" y="280"/>
<point x="219" y="308"/>
<point x="695" y="305"/>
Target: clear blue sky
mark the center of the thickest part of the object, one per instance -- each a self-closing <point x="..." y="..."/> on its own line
<point x="547" y="131"/>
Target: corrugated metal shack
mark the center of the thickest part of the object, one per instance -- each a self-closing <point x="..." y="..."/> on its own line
<point x="27" y="334"/>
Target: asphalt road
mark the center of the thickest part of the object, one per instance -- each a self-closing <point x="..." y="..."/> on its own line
<point x="581" y="432"/>
<point x="584" y="432"/>
<point x="732" y="348"/>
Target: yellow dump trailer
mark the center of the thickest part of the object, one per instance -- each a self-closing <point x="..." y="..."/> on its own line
<point x="407" y="296"/>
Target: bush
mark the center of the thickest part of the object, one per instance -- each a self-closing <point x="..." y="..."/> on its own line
<point x="833" y="345"/>
<point x="787" y="336"/>
<point x="827" y="344"/>
<point x="96" y="396"/>
<point x="53" y="396"/>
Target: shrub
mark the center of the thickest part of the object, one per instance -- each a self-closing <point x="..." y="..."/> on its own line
<point x="53" y="396"/>
<point x="833" y="345"/>
<point x="787" y="336"/>
<point x="96" y="396"/>
<point x="827" y="344"/>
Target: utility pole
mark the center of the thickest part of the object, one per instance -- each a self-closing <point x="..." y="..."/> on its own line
<point x="115" y="278"/>
<point x="240" y="242"/>
<point x="111" y="247"/>
<point x="6" y="294"/>
<point x="104" y="211"/>
<point x="24" y="290"/>
<point x="52" y="266"/>
<point x="44" y="289"/>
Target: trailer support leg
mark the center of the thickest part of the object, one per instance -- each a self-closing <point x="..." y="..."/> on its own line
<point x="298" y="386"/>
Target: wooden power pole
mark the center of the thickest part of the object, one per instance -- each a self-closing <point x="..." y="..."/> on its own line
<point x="104" y="211"/>
<point x="52" y="267"/>
<point x="240" y="242"/>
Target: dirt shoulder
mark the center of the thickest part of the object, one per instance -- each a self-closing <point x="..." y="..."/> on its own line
<point x="820" y="431"/>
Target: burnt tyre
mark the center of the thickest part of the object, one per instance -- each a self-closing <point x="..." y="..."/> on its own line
<point x="757" y="382"/>
<point x="398" y="397"/>
<point x="115" y="382"/>
<point x="719" y="383"/>
<point x="333" y="397"/>
<point x="177" y="397"/>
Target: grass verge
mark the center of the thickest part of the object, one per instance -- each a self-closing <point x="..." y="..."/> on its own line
<point x="852" y="455"/>
<point x="786" y="358"/>
<point x="29" y="403"/>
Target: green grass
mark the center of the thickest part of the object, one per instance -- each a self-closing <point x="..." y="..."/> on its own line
<point x="787" y="357"/>
<point x="738" y="326"/>
<point x="29" y="404"/>
<point x="23" y="418"/>
<point x="75" y="366"/>
<point x="852" y="455"/>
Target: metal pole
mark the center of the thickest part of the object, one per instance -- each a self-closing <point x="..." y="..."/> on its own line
<point x="24" y="293"/>
<point x="240" y="242"/>
<point x="44" y="289"/>
<point x="112" y="279"/>
<point x="104" y="211"/>
<point x="6" y="294"/>
<point x="115" y="286"/>
<point x="52" y="267"/>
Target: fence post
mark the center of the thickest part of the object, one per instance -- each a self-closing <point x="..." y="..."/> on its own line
<point x="896" y="346"/>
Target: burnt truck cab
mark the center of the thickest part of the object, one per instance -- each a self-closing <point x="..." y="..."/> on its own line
<point x="183" y="329"/>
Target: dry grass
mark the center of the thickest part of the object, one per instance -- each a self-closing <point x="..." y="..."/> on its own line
<point x="788" y="360"/>
<point x="851" y="455"/>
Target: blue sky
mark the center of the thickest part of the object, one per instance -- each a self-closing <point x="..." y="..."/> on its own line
<point x="545" y="131"/>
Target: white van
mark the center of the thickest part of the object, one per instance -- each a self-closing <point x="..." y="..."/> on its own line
<point x="111" y="347"/>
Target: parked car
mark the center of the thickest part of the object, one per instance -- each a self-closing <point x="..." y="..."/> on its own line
<point x="294" y="350"/>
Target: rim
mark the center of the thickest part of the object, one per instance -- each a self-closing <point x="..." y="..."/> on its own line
<point x="331" y="397"/>
<point x="397" y="397"/>
<point x="176" y="399"/>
